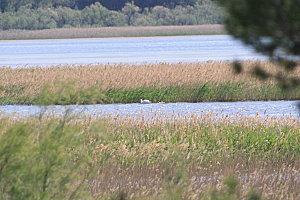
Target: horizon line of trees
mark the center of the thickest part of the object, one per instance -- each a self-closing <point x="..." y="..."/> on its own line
<point x="14" y="5"/>
<point x="96" y="15"/>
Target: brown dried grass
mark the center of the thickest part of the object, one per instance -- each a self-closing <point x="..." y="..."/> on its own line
<point x="129" y="76"/>
<point x="273" y="180"/>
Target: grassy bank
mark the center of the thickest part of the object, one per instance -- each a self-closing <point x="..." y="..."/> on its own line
<point x="207" y="92"/>
<point x="125" y="83"/>
<point x="203" y="93"/>
<point x="135" y="158"/>
<point x="105" y="32"/>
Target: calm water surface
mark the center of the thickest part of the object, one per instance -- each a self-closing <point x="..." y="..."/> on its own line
<point x="123" y="50"/>
<point x="263" y="109"/>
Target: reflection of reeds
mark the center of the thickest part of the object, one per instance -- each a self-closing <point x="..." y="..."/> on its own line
<point x="149" y="156"/>
<point x="67" y="33"/>
<point x="200" y="82"/>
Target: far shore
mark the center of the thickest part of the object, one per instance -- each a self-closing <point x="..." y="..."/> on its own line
<point x="99" y="38"/>
<point x="111" y="32"/>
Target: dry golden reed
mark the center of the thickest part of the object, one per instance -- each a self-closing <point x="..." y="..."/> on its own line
<point x="31" y="80"/>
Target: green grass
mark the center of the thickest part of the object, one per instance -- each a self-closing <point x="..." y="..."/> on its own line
<point x="204" y="93"/>
<point x="214" y="142"/>
<point x="67" y="94"/>
<point x="208" y="92"/>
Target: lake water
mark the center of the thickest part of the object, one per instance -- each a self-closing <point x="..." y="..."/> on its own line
<point x="123" y="50"/>
<point x="261" y="108"/>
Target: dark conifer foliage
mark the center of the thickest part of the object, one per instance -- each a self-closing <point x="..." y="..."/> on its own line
<point x="272" y="28"/>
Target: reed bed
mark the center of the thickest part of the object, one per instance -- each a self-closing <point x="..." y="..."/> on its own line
<point x="129" y="76"/>
<point x="139" y="158"/>
<point x="105" y="32"/>
<point x="127" y="83"/>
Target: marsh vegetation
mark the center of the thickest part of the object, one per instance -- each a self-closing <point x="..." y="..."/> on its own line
<point x="169" y="157"/>
<point x="127" y="83"/>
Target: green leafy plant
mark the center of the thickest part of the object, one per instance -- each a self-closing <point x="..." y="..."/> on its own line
<point x="43" y="161"/>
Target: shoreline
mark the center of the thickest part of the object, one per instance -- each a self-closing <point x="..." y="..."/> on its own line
<point x="124" y="37"/>
<point x="111" y="32"/>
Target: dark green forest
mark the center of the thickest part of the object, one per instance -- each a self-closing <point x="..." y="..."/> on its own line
<point x="46" y="14"/>
<point x="14" y="5"/>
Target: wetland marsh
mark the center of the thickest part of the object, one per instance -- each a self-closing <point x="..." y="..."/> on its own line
<point x="128" y="83"/>
<point x="55" y="144"/>
<point x="134" y="158"/>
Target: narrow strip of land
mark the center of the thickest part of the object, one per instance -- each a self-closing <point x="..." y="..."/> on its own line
<point x="126" y="83"/>
<point x="106" y="32"/>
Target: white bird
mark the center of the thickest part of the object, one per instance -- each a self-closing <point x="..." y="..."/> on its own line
<point x="145" y="101"/>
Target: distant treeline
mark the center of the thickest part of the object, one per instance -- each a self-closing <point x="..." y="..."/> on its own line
<point x="46" y="14"/>
<point x="14" y="5"/>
